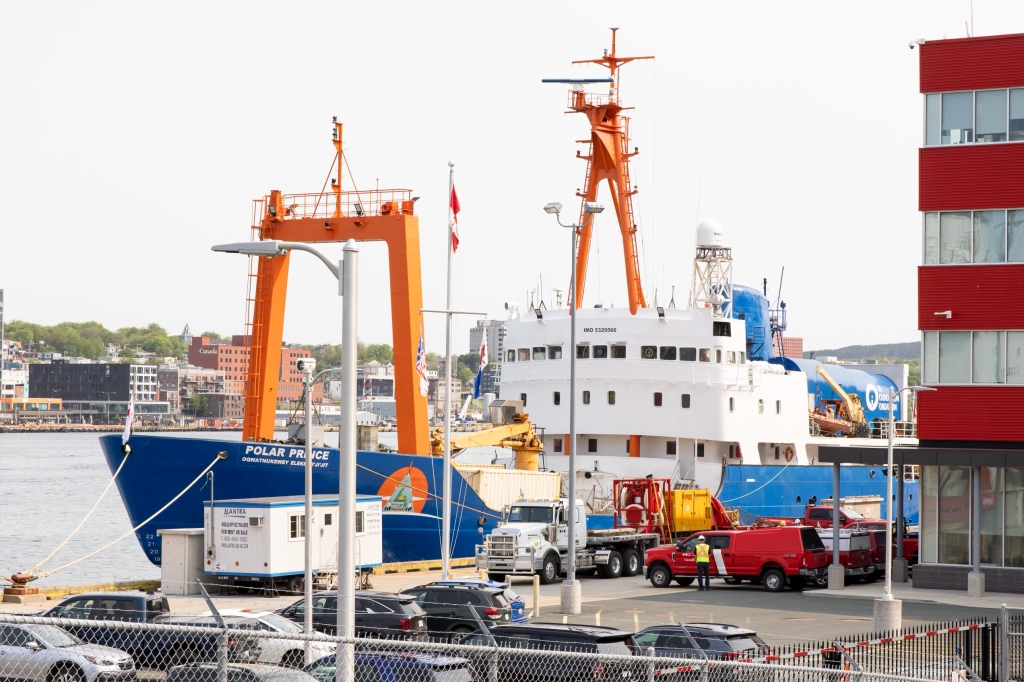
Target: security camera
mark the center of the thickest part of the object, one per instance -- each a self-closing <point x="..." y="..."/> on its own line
<point x="305" y="364"/>
<point x="911" y="44"/>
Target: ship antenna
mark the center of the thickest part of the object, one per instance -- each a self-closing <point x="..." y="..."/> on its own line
<point x="672" y="301"/>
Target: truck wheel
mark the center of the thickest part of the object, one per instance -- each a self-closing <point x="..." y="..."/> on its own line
<point x="631" y="563"/>
<point x="733" y="581"/>
<point x="65" y="672"/>
<point x="660" y="576"/>
<point x="612" y="569"/>
<point x="549" y="572"/>
<point x="496" y="577"/>
<point x="774" y="580"/>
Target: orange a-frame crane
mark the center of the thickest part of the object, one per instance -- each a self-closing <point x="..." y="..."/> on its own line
<point x="608" y="160"/>
<point x="336" y="216"/>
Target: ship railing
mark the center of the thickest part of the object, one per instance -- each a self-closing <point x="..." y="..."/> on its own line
<point x="353" y="204"/>
<point x="879" y="429"/>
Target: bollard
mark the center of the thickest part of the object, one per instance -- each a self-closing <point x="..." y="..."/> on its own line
<point x="481" y="573"/>
<point x="636" y="622"/>
<point x="536" y="596"/>
<point x="597" y="619"/>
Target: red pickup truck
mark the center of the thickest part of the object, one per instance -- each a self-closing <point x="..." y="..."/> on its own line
<point x="773" y="557"/>
<point x="856" y="554"/>
<point x="820" y="516"/>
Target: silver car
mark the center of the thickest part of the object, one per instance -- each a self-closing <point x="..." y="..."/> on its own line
<point x="47" y="653"/>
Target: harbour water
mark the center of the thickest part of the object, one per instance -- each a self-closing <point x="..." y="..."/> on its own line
<point x="49" y="482"/>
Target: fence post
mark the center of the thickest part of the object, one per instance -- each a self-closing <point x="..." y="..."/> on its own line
<point x="650" y="664"/>
<point x="536" y="596"/>
<point x="492" y="665"/>
<point x="222" y="655"/>
<point x="1004" y="644"/>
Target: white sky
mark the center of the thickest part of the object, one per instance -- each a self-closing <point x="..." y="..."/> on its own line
<point x="134" y="135"/>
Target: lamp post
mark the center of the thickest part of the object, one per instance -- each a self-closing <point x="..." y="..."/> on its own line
<point x="346" y="273"/>
<point x="571" y="594"/>
<point x="888" y="614"/>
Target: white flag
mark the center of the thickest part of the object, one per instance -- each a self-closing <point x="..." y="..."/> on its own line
<point x="128" y="421"/>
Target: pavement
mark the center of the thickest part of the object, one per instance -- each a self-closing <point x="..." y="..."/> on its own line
<point x="608" y="591"/>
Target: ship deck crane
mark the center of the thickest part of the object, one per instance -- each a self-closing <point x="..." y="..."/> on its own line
<point x="332" y="215"/>
<point x="517" y="435"/>
<point x="852" y="411"/>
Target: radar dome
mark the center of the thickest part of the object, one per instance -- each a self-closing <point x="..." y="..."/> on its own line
<point x="709" y="233"/>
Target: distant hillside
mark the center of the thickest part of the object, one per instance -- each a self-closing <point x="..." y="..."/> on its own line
<point x="879" y="351"/>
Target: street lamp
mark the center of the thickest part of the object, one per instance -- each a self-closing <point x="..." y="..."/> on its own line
<point x="571" y="594"/>
<point x="888" y="611"/>
<point x="345" y="272"/>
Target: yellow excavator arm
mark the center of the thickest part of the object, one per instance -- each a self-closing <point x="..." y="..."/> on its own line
<point x="519" y="436"/>
<point x="851" y="403"/>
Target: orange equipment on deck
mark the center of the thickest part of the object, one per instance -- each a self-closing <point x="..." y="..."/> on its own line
<point x="336" y="216"/>
<point x="650" y="505"/>
<point x="608" y="159"/>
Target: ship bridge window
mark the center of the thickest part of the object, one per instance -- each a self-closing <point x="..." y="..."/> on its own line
<point x="760" y="406"/>
<point x="539" y="352"/>
<point x="558" y="398"/>
<point x="524" y="354"/>
<point x="601" y="351"/>
<point x="730" y="357"/>
<point x="718" y="355"/>
<point x="582" y="351"/>
<point x="670" y="447"/>
<point x="522" y="396"/>
<point x="657" y="399"/>
<point x="586" y="397"/>
<point x="667" y="352"/>
<point x="591" y="445"/>
<point x="686" y="401"/>
<point x="705" y="355"/>
<point x="554" y="352"/>
<point x="648" y="352"/>
<point x="558" y="445"/>
<point x="619" y="351"/>
<point x="611" y="397"/>
<point x="741" y="356"/>
<point x="721" y="329"/>
<point x="688" y="354"/>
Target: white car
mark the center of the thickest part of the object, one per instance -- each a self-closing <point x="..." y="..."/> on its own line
<point x="279" y="650"/>
<point x="47" y="653"/>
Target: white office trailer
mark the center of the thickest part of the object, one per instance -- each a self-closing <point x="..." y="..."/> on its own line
<point x="262" y="539"/>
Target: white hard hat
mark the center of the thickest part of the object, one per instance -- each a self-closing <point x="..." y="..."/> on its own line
<point x="701" y="537"/>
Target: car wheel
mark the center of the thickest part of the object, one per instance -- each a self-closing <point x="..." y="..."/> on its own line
<point x="774" y="580"/>
<point x="293" y="659"/>
<point x="612" y="569"/>
<point x="549" y="572"/>
<point x="821" y="580"/>
<point x="631" y="563"/>
<point x="65" y="672"/>
<point x="496" y="577"/>
<point x="684" y="581"/>
<point x="733" y="581"/>
<point x="660" y="576"/>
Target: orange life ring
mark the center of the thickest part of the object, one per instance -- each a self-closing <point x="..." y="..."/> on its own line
<point x="789" y="453"/>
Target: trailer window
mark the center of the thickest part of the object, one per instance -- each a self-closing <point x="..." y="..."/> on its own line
<point x="296" y="526"/>
<point x="360" y="522"/>
<point x="811" y="539"/>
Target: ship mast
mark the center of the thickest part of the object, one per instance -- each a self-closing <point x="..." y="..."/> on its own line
<point x="607" y="159"/>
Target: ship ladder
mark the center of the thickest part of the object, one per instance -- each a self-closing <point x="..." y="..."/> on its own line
<point x="253" y="327"/>
<point x="659" y="521"/>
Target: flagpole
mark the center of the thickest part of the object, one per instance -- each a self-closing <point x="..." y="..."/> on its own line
<point x="446" y="495"/>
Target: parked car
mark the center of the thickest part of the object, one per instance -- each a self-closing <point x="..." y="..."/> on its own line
<point x="391" y="666"/>
<point x="456" y="609"/>
<point x="47" y="653"/>
<point x="378" y="614"/>
<point x="515" y="602"/>
<point x="542" y="637"/>
<point x="287" y="652"/>
<point x="237" y="672"/>
<point x="699" y="640"/>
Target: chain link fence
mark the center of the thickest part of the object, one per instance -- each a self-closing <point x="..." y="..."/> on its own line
<point x="198" y="649"/>
<point x="1011" y="652"/>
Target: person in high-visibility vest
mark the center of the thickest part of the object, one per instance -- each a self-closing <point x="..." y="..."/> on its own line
<point x="703" y="553"/>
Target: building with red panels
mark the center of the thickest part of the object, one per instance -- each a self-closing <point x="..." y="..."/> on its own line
<point x="233" y="360"/>
<point x="971" y="314"/>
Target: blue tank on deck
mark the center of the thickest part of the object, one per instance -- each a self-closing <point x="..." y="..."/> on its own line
<point x="751" y="306"/>
<point x="873" y="389"/>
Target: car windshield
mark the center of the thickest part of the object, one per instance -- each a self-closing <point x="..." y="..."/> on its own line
<point x="280" y="623"/>
<point x="852" y="514"/>
<point x="530" y="514"/>
<point x="500" y="599"/>
<point x="53" y="635"/>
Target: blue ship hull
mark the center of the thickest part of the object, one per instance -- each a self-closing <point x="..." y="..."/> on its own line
<point x="160" y="468"/>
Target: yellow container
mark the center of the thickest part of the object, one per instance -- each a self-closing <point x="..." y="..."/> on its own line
<point x="691" y="510"/>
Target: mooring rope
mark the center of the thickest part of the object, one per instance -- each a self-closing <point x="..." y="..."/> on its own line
<point x="86" y="518"/>
<point x="220" y="455"/>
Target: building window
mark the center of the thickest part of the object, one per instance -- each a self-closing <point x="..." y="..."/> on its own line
<point x="554" y="352"/>
<point x="1016" y="115"/>
<point x="987" y="358"/>
<point x="360" y="522"/>
<point x="670" y="447"/>
<point x="611" y="397"/>
<point x="978" y="357"/>
<point x="591" y="445"/>
<point x="619" y="351"/>
<point x="957" y="123"/>
<point x="989" y="237"/>
<point x="667" y="352"/>
<point x="539" y="352"/>
<point x="990" y="115"/>
<point x="657" y="399"/>
<point x="732" y="404"/>
<point x="582" y="351"/>
<point x="558" y="398"/>
<point x="688" y="354"/>
<point x="686" y="401"/>
<point x="586" y="397"/>
<point x="648" y="352"/>
<point x="296" y="526"/>
<point x="600" y="352"/>
<point x="558" y="445"/>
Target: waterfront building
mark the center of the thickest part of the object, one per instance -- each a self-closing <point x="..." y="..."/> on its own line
<point x="232" y="358"/>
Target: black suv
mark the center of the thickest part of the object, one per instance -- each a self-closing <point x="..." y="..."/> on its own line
<point x="700" y="640"/>
<point x="454" y="609"/>
<point x="520" y="665"/>
<point x="378" y="614"/>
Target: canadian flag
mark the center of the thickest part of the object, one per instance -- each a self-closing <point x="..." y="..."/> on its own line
<point x="453" y="219"/>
